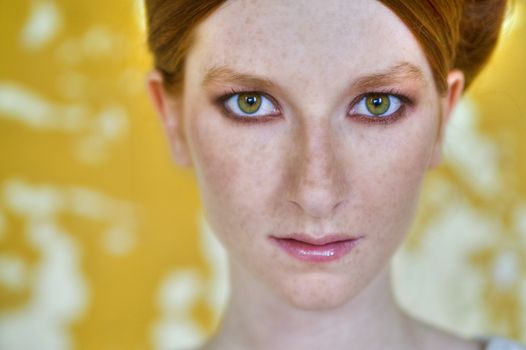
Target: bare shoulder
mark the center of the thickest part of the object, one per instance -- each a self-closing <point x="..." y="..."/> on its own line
<point x="503" y="344"/>
<point x="206" y="346"/>
<point x="432" y="338"/>
<point x="202" y="347"/>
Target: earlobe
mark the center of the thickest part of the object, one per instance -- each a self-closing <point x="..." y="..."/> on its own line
<point x="169" y="111"/>
<point x="455" y="83"/>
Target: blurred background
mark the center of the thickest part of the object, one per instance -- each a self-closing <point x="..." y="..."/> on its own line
<point x="102" y="244"/>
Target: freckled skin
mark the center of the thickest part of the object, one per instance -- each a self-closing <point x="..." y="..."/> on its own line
<point x="313" y="169"/>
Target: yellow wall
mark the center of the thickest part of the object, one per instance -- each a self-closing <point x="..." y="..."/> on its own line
<point x="100" y="239"/>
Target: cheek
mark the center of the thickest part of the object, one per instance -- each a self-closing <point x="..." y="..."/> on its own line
<point x="236" y="167"/>
<point x="392" y="170"/>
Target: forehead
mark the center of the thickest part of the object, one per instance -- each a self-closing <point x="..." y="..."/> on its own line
<point x="313" y="43"/>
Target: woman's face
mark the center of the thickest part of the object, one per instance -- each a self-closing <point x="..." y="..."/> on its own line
<point x="309" y="179"/>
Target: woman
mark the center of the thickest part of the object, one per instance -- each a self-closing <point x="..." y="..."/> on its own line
<point x="310" y="126"/>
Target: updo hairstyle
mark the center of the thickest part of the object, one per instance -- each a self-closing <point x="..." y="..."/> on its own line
<point x="457" y="34"/>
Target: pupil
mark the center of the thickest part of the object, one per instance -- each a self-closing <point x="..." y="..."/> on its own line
<point x="377" y="102"/>
<point x="249" y="103"/>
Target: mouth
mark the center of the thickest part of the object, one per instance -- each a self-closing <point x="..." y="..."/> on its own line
<point x="316" y="250"/>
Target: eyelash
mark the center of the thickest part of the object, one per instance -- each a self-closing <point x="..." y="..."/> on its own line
<point x="395" y="116"/>
<point x="405" y="102"/>
<point x="221" y="101"/>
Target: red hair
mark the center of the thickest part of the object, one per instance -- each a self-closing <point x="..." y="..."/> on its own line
<point x="453" y="33"/>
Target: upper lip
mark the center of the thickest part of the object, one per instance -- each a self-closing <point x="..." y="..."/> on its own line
<point x="314" y="240"/>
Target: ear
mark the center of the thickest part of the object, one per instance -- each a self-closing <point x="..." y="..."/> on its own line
<point x="168" y="108"/>
<point x="455" y="87"/>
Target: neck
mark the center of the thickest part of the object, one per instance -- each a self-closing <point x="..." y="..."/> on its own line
<point x="257" y="319"/>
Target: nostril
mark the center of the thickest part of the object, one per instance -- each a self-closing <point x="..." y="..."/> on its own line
<point x="317" y="202"/>
<point x="316" y="179"/>
<point x="317" y="190"/>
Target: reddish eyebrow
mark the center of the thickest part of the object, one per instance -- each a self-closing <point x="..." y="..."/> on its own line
<point x="224" y="74"/>
<point x="396" y="74"/>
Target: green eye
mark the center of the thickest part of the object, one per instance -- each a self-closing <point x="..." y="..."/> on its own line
<point x="377" y="104"/>
<point x="253" y="105"/>
<point x="249" y="103"/>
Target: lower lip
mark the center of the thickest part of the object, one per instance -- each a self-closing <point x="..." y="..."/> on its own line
<point x="316" y="253"/>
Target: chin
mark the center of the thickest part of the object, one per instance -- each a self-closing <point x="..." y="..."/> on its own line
<point x="318" y="291"/>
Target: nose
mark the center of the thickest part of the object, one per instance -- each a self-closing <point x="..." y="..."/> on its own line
<point x="317" y="177"/>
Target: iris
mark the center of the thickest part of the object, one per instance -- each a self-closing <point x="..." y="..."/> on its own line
<point x="249" y="103"/>
<point x="377" y="104"/>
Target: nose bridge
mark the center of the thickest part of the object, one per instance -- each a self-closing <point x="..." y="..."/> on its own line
<point x="317" y="156"/>
<point x="317" y="173"/>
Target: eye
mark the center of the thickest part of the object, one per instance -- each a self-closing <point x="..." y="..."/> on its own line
<point x="378" y="105"/>
<point x="250" y="104"/>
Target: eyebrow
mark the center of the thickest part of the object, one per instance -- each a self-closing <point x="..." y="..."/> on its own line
<point x="224" y="74"/>
<point x="394" y="74"/>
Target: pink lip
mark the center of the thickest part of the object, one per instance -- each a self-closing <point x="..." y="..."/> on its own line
<point x="318" y="250"/>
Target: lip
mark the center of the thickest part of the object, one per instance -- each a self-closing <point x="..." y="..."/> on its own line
<point x="323" y="249"/>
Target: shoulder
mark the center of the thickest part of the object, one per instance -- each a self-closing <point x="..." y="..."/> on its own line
<point x="496" y="343"/>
